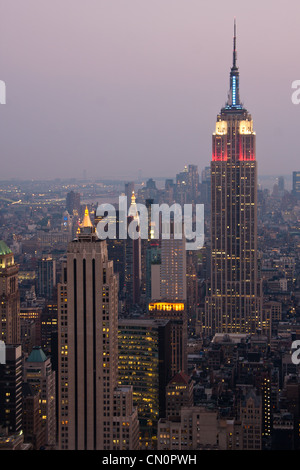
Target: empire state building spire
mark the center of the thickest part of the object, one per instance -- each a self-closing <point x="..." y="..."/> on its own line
<point x="234" y="93"/>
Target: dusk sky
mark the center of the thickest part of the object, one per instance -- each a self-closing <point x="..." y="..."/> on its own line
<point x="115" y="87"/>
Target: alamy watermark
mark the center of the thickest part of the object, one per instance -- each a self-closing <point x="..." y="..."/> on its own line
<point x="296" y="93"/>
<point x="2" y="92"/>
<point x="296" y="353"/>
<point x="165" y="222"/>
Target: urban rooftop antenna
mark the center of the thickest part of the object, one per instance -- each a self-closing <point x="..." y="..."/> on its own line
<point x="234" y="45"/>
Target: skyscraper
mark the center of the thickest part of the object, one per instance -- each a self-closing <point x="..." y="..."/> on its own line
<point x="173" y="269"/>
<point x="187" y="185"/>
<point x="145" y="363"/>
<point x="46" y="276"/>
<point x="34" y="431"/>
<point x="93" y="411"/>
<point x="10" y="326"/>
<point x="234" y="301"/>
<point x="251" y="419"/>
<point x="296" y="184"/>
<point x="179" y="393"/>
<point x="129" y="190"/>
<point x="116" y="249"/>
<point x="169" y="275"/>
<point x="11" y="407"/>
<point x="175" y="312"/>
<point x="133" y="271"/>
<point x="39" y="374"/>
<point x="73" y="202"/>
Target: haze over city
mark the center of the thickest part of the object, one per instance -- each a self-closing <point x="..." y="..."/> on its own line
<point x="117" y="89"/>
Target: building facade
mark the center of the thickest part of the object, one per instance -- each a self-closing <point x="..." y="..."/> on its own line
<point x="11" y="406"/>
<point x="39" y="374"/>
<point x="145" y="364"/>
<point x="10" y="326"/>
<point x="46" y="276"/>
<point x="233" y="304"/>
<point x="175" y="312"/>
<point x="88" y="349"/>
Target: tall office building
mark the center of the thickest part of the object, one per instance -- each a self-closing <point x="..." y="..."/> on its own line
<point x="146" y="245"/>
<point x="234" y="302"/>
<point x="129" y="190"/>
<point x="205" y="186"/>
<point x="10" y="325"/>
<point x="93" y="411"/>
<point x="153" y="257"/>
<point x="145" y="363"/>
<point x="46" y="276"/>
<point x="251" y="420"/>
<point x="179" y="394"/>
<point x="187" y="185"/>
<point x="39" y="374"/>
<point x="73" y="202"/>
<point x="173" y="269"/>
<point x="175" y="312"/>
<point x="34" y="431"/>
<point x="133" y="259"/>
<point x="116" y="245"/>
<point x="168" y="291"/>
<point x="193" y="181"/>
<point x="192" y="287"/>
<point x="296" y="184"/>
<point x="168" y="276"/>
<point x="116" y="249"/>
<point x="11" y="406"/>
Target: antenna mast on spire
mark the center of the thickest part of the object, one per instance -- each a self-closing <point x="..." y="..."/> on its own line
<point x="234" y="45"/>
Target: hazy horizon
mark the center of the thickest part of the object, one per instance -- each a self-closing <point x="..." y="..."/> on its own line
<point x="117" y="89"/>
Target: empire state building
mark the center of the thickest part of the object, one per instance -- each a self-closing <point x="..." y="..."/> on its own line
<point x="233" y="303"/>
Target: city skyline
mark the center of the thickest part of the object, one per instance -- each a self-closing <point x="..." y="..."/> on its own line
<point x="169" y="320"/>
<point x="131" y="89"/>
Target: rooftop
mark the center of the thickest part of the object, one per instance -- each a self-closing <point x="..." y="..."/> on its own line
<point x="4" y="250"/>
<point x="37" y="355"/>
<point x="180" y="378"/>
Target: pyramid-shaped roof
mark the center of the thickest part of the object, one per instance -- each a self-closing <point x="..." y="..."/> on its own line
<point x="86" y="219"/>
<point x="180" y="378"/>
<point x="4" y="250"/>
<point x="37" y="355"/>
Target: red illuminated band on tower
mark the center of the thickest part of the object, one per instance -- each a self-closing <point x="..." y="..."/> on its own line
<point x="246" y="148"/>
<point x="219" y="153"/>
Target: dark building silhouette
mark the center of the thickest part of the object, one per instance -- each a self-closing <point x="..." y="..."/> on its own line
<point x="73" y="202"/>
<point x="34" y="431"/>
<point x="11" y="406"/>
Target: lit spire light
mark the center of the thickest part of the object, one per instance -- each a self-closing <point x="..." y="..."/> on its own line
<point x="234" y="93"/>
<point x="86" y="220"/>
